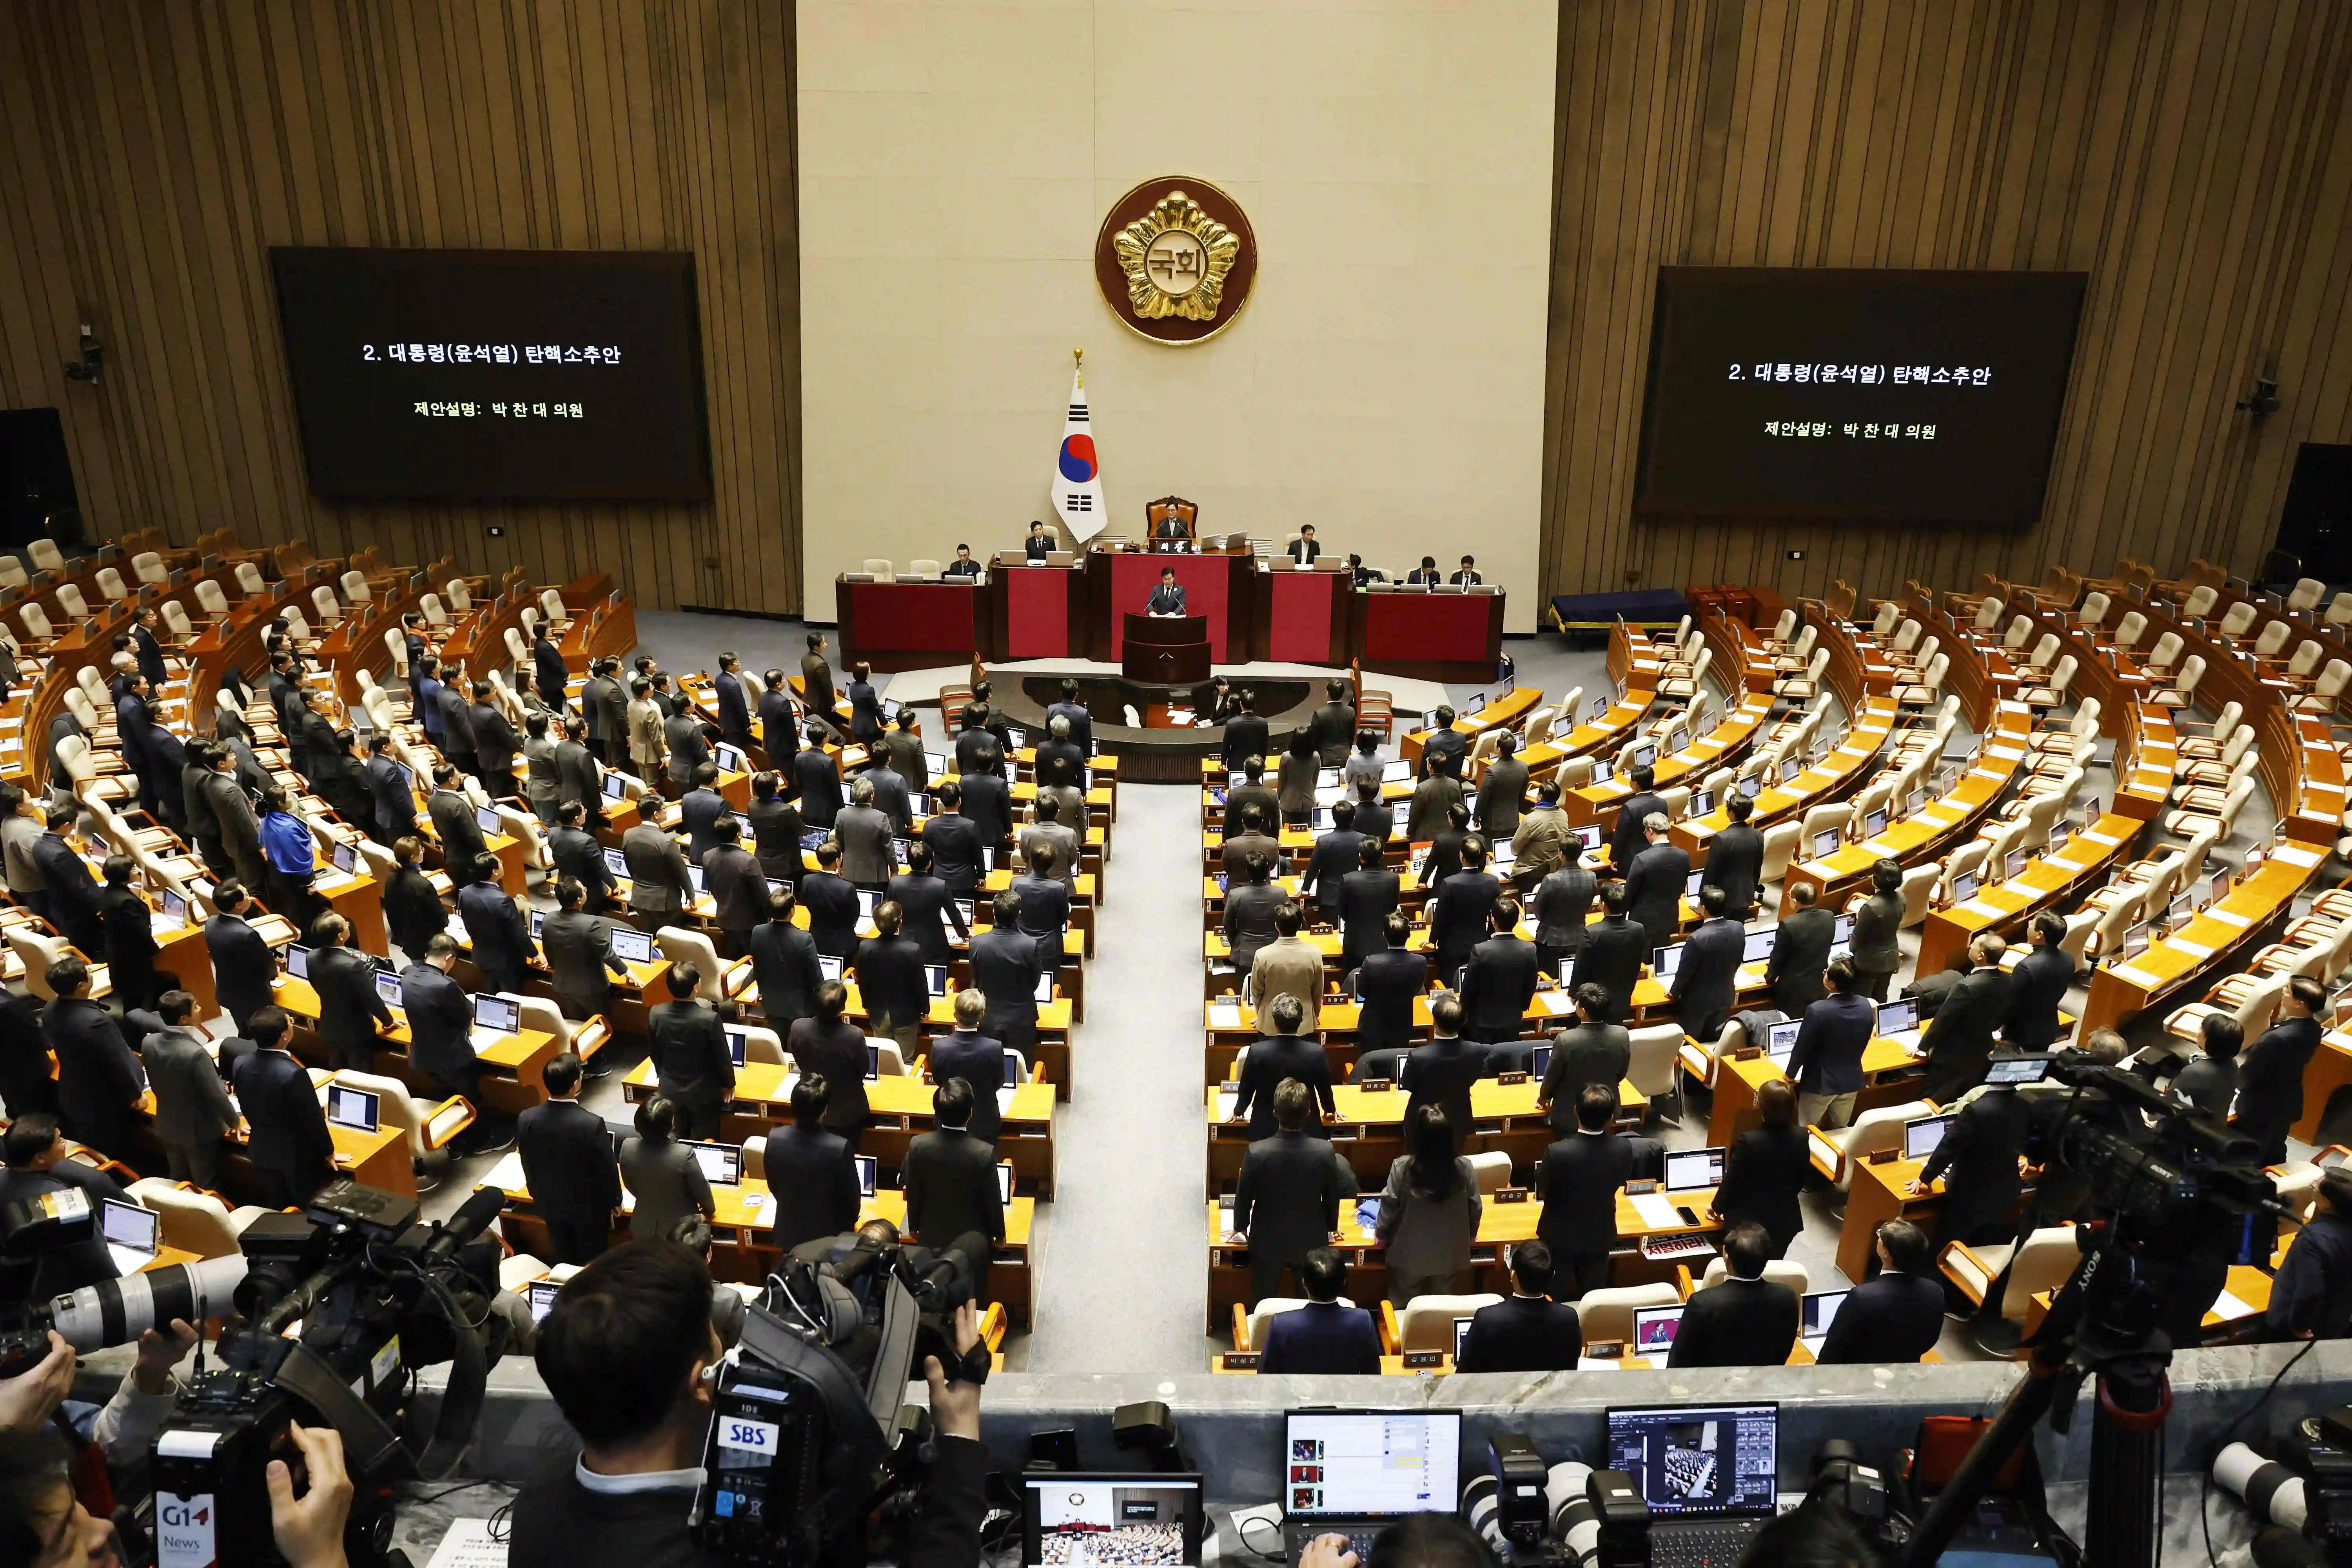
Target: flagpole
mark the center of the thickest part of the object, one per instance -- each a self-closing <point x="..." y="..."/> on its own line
<point x="1078" y="365"/>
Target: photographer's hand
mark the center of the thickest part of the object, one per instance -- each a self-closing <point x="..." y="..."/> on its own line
<point x="159" y="1352"/>
<point x="1327" y="1552"/>
<point x="28" y="1399"/>
<point x="309" y="1530"/>
<point x="955" y="1406"/>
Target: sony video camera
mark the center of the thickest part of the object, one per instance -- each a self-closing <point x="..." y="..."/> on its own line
<point x="338" y="1307"/>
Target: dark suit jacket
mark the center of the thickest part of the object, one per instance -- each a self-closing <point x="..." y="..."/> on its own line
<point x="661" y="883"/>
<point x="1366" y="899"/>
<point x="698" y="811"/>
<point x="988" y="803"/>
<point x="244" y="966"/>
<point x="956" y="844"/>
<point x="949" y="1178"/>
<point x="890" y="981"/>
<point x="461" y="836"/>
<point x="2036" y="986"/>
<point x="1761" y="1175"/>
<point x="578" y="778"/>
<point x="1737" y="1322"/>
<point x="776" y="839"/>
<point x="1735" y="860"/>
<point x="191" y="1105"/>
<point x="1893" y="1319"/>
<point x="692" y="1062"/>
<point x="567" y="1161"/>
<point x="1005" y="966"/>
<point x="495" y="741"/>
<point x="1440" y="1072"/>
<point x="816" y="778"/>
<point x="1579" y="1181"/>
<point x="1830" y="1042"/>
<point x="1707" y="979"/>
<point x="734" y="707"/>
<point x="739" y="887"/>
<point x="1389" y="979"/>
<point x="1801" y="950"/>
<point x="1625" y="836"/>
<point x="412" y="911"/>
<point x="457" y="717"/>
<point x="1376" y="819"/>
<point x="548" y="672"/>
<point x="1287" y="1198"/>
<point x="1876" y="920"/>
<point x="1457" y="917"/>
<point x="1959" y="1038"/>
<point x="890" y="797"/>
<point x="150" y="654"/>
<point x="73" y="897"/>
<point x="778" y="722"/>
<point x="1334" y="1338"/>
<point x="1978" y="1155"/>
<point x="1327" y="869"/>
<point x="440" y="1017"/>
<point x="25" y="1080"/>
<point x="500" y="935"/>
<point x="813" y="1182"/>
<point x="395" y="806"/>
<point x="288" y="1128"/>
<point x="1522" y="1333"/>
<point x="2270" y="1078"/>
<point x="349" y="1009"/>
<point x="579" y="949"/>
<point x="1614" y="951"/>
<point x="1560" y="904"/>
<point x="929" y="913"/>
<point x="1245" y="737"/>
<point x="689" y="748"/>
<point x="578" y="855"/>
<point x="832" y="905"/>
<point x="839" y="1053"/>
<point x="1582" y="1054"/>
<point x="1653" y="891"/>
<point x="979" y="1060"/>
<point x="1498" y="984"/>
<point x="1272" y="1059"/>
<point x="783" y="962"/>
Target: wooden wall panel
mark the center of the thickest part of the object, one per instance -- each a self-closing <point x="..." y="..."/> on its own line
<point x="2193" y="156"/>
<point x="153" y="153"/>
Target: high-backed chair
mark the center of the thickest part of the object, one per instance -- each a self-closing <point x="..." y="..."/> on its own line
<point x="427" y="1125"/>
<point x="1608" y="1313"/>
<point x="44" y="555"/>
<point x="250" y="581"/>
<point x="1651" y="1066"/>
<point x="210" y="599"/>
<point x="356" y="587"/>
<point x="2042" y="1262"/>
<point x="720" y="980"/>
<point x="1427" y="1321"/>
<point x="193" y="1220"/>
<point x="2306" y="594"/>
<point x="149" y="566"/>
<point x="1836" y="1152"/>
<point x="1776" y="1271"/>
<point x="2201" y="602"/>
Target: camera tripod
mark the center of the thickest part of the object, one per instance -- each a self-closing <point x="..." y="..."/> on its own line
<point x="2102" y="1326"/>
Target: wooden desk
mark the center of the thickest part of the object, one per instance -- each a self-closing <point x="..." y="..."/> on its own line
<point x="1877" y="1195"/>
<point x="1500" y="714"/>
<point x="2210" y="943"/>
<point x="1368" y="1127"/>
<point x="1890" y="1068"/>
<point x="511" y="1069"/>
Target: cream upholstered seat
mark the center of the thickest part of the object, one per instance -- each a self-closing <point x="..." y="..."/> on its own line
<point x="1837" y="1151"/>
<point x="720" y="979"/>
<point x="1776" y="1271"/>
<point x="1608" y="1313"/>
<point x="426" y="1125"/>
<point x="250" y="581"/>
<point x="149" y="566"/>
<point x="1492" y="1169"/>
<point x="111" y="585"/>
<point x="44" y="555"/>
<point x="1252" y="1325"/>
<point x="210" y="598"/>
<point x="1427" y="1323"/>
<point x="193" y="1220"/>
<point x="2042" y="1262"/>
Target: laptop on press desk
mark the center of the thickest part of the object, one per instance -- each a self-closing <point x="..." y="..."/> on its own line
<point x="1355" y="1472"/>
<point x="1709" y="1473"/>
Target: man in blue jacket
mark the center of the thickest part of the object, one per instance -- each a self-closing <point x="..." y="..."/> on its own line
<point x="1327" y="1335"/>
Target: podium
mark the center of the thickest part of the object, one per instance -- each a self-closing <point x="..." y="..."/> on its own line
<point x="1165" y="650"/>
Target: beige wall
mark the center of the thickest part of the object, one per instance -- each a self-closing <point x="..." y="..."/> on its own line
<point x="1386" y="380"/>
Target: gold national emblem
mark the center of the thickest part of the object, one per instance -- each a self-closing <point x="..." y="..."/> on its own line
<point x="1176" y="257"/>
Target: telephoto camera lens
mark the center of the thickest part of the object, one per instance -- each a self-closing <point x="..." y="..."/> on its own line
<point x="117" y="1311"/>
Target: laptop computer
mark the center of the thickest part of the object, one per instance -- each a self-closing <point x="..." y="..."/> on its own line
<point x="1694" y="1170"/>
<point x="1460" y="1333"/>
<point x="722" y="1164"/>
<point x="868" y="1167"/>
<point x="387" y="988"/>
<point x="297" y="961"/>
<point x="729" y="759"/>
<point x="1781" y="1042"/>
<point x="1353" y="1472"/>
<point x="541" y="1295"/>
<point x="1920" y="1137"/>
<point x="632" y="946"/>
<point x="1077" y="1517"/>
<point x="1756" y="947"/>
<point x="1666" y="960"/>
<point x="1820" y="1309"/>
<point x="828" y="967"/>
<point x="1825" y="842"/>
<point x="359" y="1109"/>
<point x="494" y="1018"/>
<point x="1397" y="770"/>
<point x="133" y="1235"/>
<point x="1539" y="1062"/>
<point x="1899" y="1017"/>
<point x="1710" y="1474"/>
<point x="1653" y="1332"/>
<point x="486" y="819"/>
<point x="615" y="786"/>
<point x="617" y="864"/>
<point x="738" y="1047"/>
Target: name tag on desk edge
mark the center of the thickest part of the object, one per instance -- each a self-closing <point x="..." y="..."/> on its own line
<point x="1415" y="1361"/>
<point x="1513" y="1077"/>
<point x="1645" y="1185"/>
<point x="1376" y="1086"/>
<point x="1510" y="1194"/>
<point x="1241" y="1361"/>
<point x="1883" y="1156"/>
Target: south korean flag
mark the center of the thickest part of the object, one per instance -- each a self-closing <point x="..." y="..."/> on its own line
<point x="1078" y="476"/>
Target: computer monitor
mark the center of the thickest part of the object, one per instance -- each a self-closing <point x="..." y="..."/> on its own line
<point x="868" y="901"/>
<point x="615" y="786"/>
<point x="1321" y="819"/>
<point x="1044" y="988"/>
<point x="867" y="1167"/>
<point x="1699" y="1461"/>
<point x="872" y="1062"/>
<point x="1692" y="883"/>
<point x="1460" y="1333"/>
<point x="1374" y="1464"/>
<point x="297" y="961"/>
<point x="2183" y="905"/>
<point x="1841" y="930"/>
<point x="1825" y="842"/>
<point x="1780" y="1040"/>
<point x="616" y="863"/>
<point x="387" y="988"/>
<point x="486" y="819"/>
<point x="357" y="1109"/>
<point x="1654" y="1332"/>
<point x="2135" y="941"/>
<point x="935" y="979"/>
<point x="722" y="1164"/>
<point x="1820" y="1309"/>
<point x="729" y="759"/>
<point x="1790" y="767"/>
<point x="1899" y="1017"/>
<point x="737" y="1045"/>
<point x="175" y="906"/>
<point x="1875" y="824"/>
<point x="347" y="860"/>
<point x="1666" y="960"/>
<point x="1397" y="770"/>
<point x="1587" y="837"/>
<point x="541" y="1295"/>
<point x="1694" y="1170"/>
<point x="1004" y="1182"/>
<point x="1964" y="887"/>
<point x="632" y="946"/>
<point x="1920" y="1137"/>
<point x="500" y="1014"/>
<point x="1914" y="801"/>
<point x="2014" y="865"/>
<point x="130" y="1225"/>
<point x="2220" y="887"/>
<point x="2014" y="1070"/>
<point x="1757" y="945"/>
<point x="1641" y="756"/>
<point x="1107" y="1517"/>
<point x="1429" y="720"/>
<point x="695" y="872"/>
<point x="1701" y="803"/>
<point x="1599" y="710"/>
<point x="828" y="967"/>
<point x="1540" y="1060"/>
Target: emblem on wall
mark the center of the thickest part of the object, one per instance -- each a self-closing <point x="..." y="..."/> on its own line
<point x="1175" y="259"/>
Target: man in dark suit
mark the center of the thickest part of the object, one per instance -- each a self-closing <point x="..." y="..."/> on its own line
<point x="831" y="904"/>
<point x="692" y="1066"/>
<point x="1578" y="1181"/>
<point x="2270" y="1073"/>
<point x="1626" y="837"/>
<point x="38" y="1163"/>
<point x="1368" y="895"/>
<point x="1045" y="906"/>
<point x="783" y="961"/>
<point x="1707" y="980"/>
<point x="1800" y="951"/>
<point x="816" y="678"/>
<point x="1826" y="1062"/>
<point x="1445" y="745"/>
<point x="1527" y="1331"/>
<point x="245" y="967"/>
<point x="1590" y="1050"/>
<point x="1328" y="1336"/>
<point x="1375" y="818"/>
<point x="1059" y="751"/>
<point x="1245" y="734"/>
<point x="699" y="810"/>
<point x="1435" y="809"/>
<point x="602" y="703"/>
<point x="688" y="737"/>
<point x="1005" y="966"/>
<point x="148" y="648"/>
<point x="661" y="883"/>
<point x="193" y="1114"/>
<point x="454" y="821"/>
<point x="457" y="726"/>
<point x="1334" y="724"/>
<point x="1336" y="854"/>
<point x="868" y="854"/>
<point x="1502" y="791"/>
<point x="579" y="778"/>
<point x="954" y="841"/>
<point x="579" y="858"/>
<point x="1978" y="1157"/>
<point x="1282" y="1054"/>
<point x="1744" y="1320"/>
<point x="929" y="911"/>
<point x="775" y="828"/>
<point x="890" y="796"/>
<point x="811" y="1175"/>
<point x="816" y="778"/>
<point x="1287" y="1201"/>
<point x="1460" y="913"/>
<point x="496" y="929"/>
<point x="889" y="968"/>
<point x="780" y="726"/>
<point x="1877" y="920"/>
<point x="1734" y="859"/>
<point x="25" y="1080"/>
<point x="1958" y="1040"/>
<point x="827" y="1042"/>
<point x="1561" y="902"/>
<point x="950" y="1180"/>
<point x="1444" y="858"/>
<point x="579" y="957"/>
<point x="737" y="885"/>
<point x="1082" y="718"/>
<point x="394" y="813"/>
<point x="440" y="1026"/>
<point x="1897" y="1316"/>
<point x="1246" y="833"/>
<point x="1440" y="1071"/>
<point x="73" y="895"/>
<point x="1389" y="981"/>
<point x="1499" y="981"/>
<point x="351" y="1014"/>
<point x="734" y="702"/>
<point x="987" y="801"/>
<point x="568" y="1164"/>
<point x="1653" y="888"/>
<point x="2038" y="985"/>
<point x="547" y="669"/>
<point x="495" y="744"/>
<point x="288" y="1139"/>
<point x="1614" y="951"/>
<point x="966" y="1053"/>
<point x="1253" y="904"/>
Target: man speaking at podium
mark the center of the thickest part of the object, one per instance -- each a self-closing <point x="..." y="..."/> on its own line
<point x="1168" y="599"/>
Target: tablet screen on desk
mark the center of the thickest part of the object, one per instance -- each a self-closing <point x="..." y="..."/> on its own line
<point x="615" y="786"/>
<point x="1540" y="1061"/>
<point x="736" y="1041"/>
<point x="543" y="1293"/>
<point x="297" y="961"/>
<point x="1004" y="1182"/>
<point x="1691" y="1170"/>
<point x="1920" y="1137"/>
<point x="616" y="863"/>
<point x="866" y="1167"/>
<point x="356" y="1108"/>
<point x="497" y="1014"/>
<point x="1756" y="946"/>
<point x="387" y="988"/>
<point x="722" y="1164"/>
<point x="632" y="946"/>
<point x="828" y="966"/>
<point x="1898" y="1017"/>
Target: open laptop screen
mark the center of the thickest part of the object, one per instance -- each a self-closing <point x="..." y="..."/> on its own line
<point x="1692" y="1459"/>
<point x="1654" y="1332"/>
<point x="1920" y="1137"/>
<point x="497" y="1012"/>
<point x="356" y="1109"/>
<point x="1373" y="1463"/>
<point x="632" y="946"/>
<point x="1691" y="1170"/>
<point x="722" y="1164"/>
<point x="1899" y="1017"/>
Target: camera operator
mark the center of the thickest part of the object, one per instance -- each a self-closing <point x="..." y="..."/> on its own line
<point x="2311" y="1296"/>
<point x="626" y="1352"/>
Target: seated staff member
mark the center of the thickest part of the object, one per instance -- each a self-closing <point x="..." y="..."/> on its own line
<point x="1287" y="1201"/>
<point x="1168" y="599"/>
<point x="1527" y="1331"/>
<point x="1328" y="1335"/>
<point x="963" y="565"/>
<point x="1468" y="574"/>
<point x="1744" y="1321"/>
<point x="1426" y="573"/>
<point x="1304" y="548"/>
<point x="1898" y="1315"/>
<point x="1039" y="544"/>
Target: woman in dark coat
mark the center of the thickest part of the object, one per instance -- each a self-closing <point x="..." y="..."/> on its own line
<point x="1766" y="1169"/>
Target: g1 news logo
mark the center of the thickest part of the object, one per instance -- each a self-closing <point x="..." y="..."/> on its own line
<point x="183" y="1530"/>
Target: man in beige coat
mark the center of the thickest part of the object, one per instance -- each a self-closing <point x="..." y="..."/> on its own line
<point x="1288" y="966"/>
